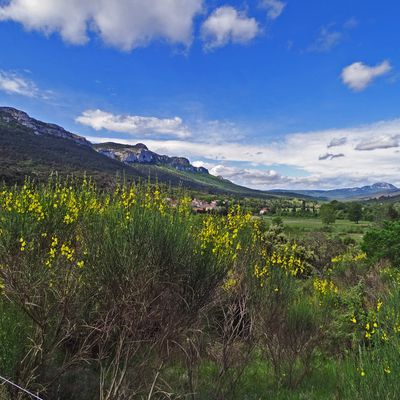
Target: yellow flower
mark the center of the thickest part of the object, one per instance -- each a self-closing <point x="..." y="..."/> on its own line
<point x="353" y="320"/>
<point x="23" y="244"/>
<point x="67" y="252"/>
<point x="387" y="370"/>
<point x="384" y="337"/>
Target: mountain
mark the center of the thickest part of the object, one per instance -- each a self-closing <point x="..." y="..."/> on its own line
<point x="29" y="147"/>
<point x="140" y="154"/>
<point x="357" y="193"/>
<point x="14" y="117"/>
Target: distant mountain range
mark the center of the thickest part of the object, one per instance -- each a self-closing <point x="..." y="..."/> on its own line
<point x="357" y="193"/>
<point x="29" y="147"/>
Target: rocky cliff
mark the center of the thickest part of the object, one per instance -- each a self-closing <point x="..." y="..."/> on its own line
<point x="140" y="154"/>
<point x="10" y="115"/>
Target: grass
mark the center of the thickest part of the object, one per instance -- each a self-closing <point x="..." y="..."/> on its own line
<point x="298" y="227"/>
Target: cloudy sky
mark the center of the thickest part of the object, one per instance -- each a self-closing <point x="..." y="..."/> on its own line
<point x="267" y="93"/>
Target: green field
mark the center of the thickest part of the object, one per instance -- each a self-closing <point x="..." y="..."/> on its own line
<point x="301" y="226"/>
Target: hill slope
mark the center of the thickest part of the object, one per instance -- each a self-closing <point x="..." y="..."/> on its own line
<point x="33" y="148"/>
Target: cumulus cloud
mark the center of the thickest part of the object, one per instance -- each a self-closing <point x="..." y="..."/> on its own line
<point x="133" y="124"/>
<point x="379" y="142"/>
<point x="274" y="8"/>
<point x="330" y="156"/>
<point x="335" y="142"/>
<point x="125" y="24"/>
<point x="358" y="76"/>
<point x="227" y="25"/>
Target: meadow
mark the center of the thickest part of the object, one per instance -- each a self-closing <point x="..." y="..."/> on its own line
<point x="126" y="294"/>
<point x="301" y="226"/>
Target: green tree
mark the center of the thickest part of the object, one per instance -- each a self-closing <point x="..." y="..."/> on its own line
<point x="354" y="212"/>
<point x="327" y="214"/>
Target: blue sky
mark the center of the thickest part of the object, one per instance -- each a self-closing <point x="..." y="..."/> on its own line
<point x="267" y="93"/>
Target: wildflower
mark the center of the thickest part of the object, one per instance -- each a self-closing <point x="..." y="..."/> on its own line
<point x="68" y="219"/>
<point x="353" y="320"/>
<point x="67" y="252"/>
<point x="23" y="244"/>
<point x="362" y="372"/>
<point x="324" y="286"/>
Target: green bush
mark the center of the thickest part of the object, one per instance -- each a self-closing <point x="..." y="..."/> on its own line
<point x="383" y="243"/>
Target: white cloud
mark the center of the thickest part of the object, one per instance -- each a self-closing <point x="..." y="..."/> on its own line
<point x="296" y="154"/>
<point x="358" y="76"/>
<point x="125" y="24"/>
<point x="226" y="25"/>
<point x="274" y="8"/>
<point x="133" y="124"/>
<point x="12" y="83"/>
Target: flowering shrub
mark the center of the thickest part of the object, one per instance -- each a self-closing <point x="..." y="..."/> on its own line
<point x="118" y="283"/>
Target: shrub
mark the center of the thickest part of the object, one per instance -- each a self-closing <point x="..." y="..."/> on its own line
<point x="383" y="243"/>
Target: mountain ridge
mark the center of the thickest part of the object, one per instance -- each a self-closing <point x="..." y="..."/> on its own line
<point x="32" y="148"/>
<point x="139" y="153"/>
<point x="365" y="192"/>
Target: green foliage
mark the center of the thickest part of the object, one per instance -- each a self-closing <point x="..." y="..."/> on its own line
<point x="327" y="214"/>
<point x="354" y="212"/>
<point x="384" y="243"/>
<point x="14" y="331"/>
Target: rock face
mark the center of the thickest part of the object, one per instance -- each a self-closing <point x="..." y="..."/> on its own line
<point x="10" y="115"/>
<point x="140" y="154"/>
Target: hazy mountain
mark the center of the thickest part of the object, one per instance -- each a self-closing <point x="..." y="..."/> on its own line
<point x="361" y="193"/>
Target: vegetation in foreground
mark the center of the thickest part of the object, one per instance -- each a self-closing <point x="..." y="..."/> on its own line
<point x="127" y="295"/>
